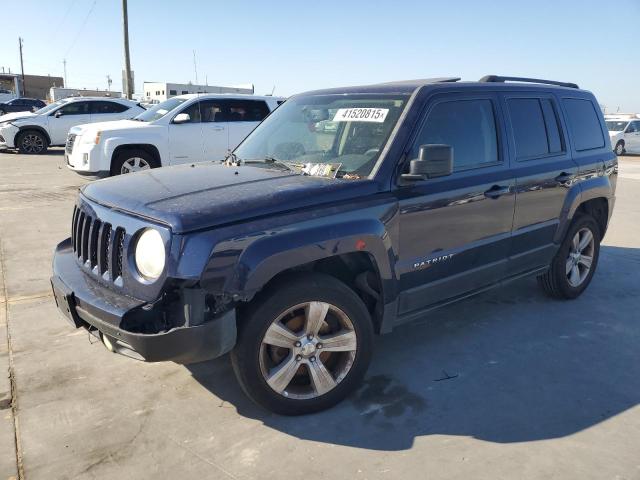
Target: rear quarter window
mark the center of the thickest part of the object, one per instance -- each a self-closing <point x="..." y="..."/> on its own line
<point x="584" y="124"/>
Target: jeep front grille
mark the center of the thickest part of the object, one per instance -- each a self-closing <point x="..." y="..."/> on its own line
<point x="98" y="245"/>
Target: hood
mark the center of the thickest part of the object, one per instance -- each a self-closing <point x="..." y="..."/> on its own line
<point x="16" y="116"/>
<point x="193" y="197"/>
<point x="113" y="126"/>
<point x="613" y="133"/>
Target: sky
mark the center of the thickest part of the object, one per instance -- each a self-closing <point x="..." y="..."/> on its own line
<point x="293" y="46"/>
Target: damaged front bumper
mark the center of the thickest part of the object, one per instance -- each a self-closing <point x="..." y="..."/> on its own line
<point x="109" y="315"/>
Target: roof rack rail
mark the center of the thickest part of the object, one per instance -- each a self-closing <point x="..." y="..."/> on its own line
<point x="500" y="79"/>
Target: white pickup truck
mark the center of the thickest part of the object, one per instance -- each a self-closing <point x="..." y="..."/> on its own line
<point x="183" y="129"/>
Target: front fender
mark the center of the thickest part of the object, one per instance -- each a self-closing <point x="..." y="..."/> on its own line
<point x="270" y="255"/>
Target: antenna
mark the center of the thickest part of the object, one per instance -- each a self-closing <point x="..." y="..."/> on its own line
<point x="195" y="66"/>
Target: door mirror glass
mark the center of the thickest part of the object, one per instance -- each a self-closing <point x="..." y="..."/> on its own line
<point x="182" y="118"/>
<point x="434" y="160"/>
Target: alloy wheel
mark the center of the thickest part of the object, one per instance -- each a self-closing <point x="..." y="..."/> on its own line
<point x="134" y="164"/>
<point x="308" y="350"/>
<point x="580" y="258"/>
<point x="32" y="143"/>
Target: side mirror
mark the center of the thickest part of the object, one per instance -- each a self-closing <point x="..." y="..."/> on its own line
<point x="433" y="161"/>
<point x="182" y="118"/>
<point x="58" y="113"/>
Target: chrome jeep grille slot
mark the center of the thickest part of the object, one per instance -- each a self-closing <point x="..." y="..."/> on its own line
<point x="94" y="234"/>
<point x="119" y="252"/>
<point x="104" y="249"/>
<point x="84" y="238"/>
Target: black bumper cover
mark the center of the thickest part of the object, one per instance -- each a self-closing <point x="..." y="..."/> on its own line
<point x="86" y="303"/>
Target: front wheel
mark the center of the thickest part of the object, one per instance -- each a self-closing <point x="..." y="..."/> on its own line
<point x="573" y="266"/>
<point x="32" y="142"/>
<point x="304" y="345"/>
<point x="619" y="150"/>
<point x="131" y="161"/>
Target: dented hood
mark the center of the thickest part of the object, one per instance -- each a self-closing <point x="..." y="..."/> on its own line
<point x="194" y="197"/>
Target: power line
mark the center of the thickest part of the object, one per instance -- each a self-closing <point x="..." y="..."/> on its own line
<point x="66" y="14"/>
<point x="80" y="29"/>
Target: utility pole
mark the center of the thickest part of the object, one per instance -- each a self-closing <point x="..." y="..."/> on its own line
<point x="109" y="82"/>
<point x="22" y="67"/>
<point x="64" y="63"/>
<point x="128" y="87"/>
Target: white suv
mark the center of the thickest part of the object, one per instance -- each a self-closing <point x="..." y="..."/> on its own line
<point x="624" y="134"/>
<point x="183" y="129"/>
<point x="34" y="132"/>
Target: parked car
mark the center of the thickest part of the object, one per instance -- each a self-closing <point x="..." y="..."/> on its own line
<point x="625" y="135"/>
<point x="35" y="132"/>
<point x="21" y="105"/>
<point x="294" y="252"/>
<point x="183" y="129"/>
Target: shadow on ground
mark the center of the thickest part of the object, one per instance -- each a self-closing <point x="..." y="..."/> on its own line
<point x="507" y="366"/>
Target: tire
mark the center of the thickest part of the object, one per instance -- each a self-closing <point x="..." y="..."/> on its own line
<point x="254" y="360"/>
<point x="619" y="150"/>
<point x="32" y="142"/>
<point x="2" y="112"/>
<point x="131" y="158"/>
<point x="561" y="280"/>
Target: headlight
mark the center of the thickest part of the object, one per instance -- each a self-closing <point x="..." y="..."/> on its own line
<point x="150" y="254"/>
<point x="91" y="139"/>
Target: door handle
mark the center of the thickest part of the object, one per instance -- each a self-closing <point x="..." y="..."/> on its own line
<point x="565" y="178"/>
<point x="497" y="191"/>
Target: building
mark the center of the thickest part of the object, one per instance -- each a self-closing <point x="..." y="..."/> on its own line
<point x="58" y="93"/>
<point x="155" y="92"/>
<point x="35" y="86"/>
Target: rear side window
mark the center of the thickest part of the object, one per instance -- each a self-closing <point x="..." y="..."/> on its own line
<point x="107" y="107"/>
<point x="535" y="127"/>
<point x="247" y="110"/>
<point x="584" y="124"/>
<point x="468" y="126"/>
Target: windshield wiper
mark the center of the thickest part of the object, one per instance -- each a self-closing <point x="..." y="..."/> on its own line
<point x="269" y="161"/>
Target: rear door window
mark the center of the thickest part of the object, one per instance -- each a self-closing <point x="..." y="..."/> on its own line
<point x="247" y="110"/>
<point x="468" y="126"/>
<point x="107" y="107"/>
<point x="535" y="127"/>
<point x="584" y="124"/>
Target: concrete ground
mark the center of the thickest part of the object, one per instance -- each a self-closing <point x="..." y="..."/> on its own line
<point x="509" y="384"/>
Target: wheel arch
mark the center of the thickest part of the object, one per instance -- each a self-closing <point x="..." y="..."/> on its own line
<point x="27" y="128"/>
<point x="145" y="147"/>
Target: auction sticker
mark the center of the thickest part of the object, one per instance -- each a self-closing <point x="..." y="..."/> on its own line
<point x="376" y="115"/>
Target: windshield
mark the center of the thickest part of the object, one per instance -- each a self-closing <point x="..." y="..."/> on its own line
<point x="51" y="106"/>
<point x="616" y="125"/>
<point x="160" y="110"/>
<point x="344" y="133"/>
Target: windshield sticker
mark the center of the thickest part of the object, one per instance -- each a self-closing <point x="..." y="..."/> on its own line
<point x="376" y="115"/>
<point x="329" y="170"/>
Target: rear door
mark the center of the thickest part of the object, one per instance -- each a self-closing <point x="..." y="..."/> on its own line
<point x="185" y="139"/>
<point x="104" y="111"/>
<point x="215" y="128"/>
<point x="67" y="116"/>
<point x="544" y="172"/>
<point x="455" y="231"/>
<point x="244" y="116"/>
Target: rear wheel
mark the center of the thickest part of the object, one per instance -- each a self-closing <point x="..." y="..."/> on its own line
<point x="134" y="160"/>
<point x="32" y="142"/>
<point x="573" y="266"/>
<point x="304" y="345"/>
<point x="619" y="148"/>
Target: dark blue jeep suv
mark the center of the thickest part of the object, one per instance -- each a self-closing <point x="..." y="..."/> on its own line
<point x="345" y="213"/>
